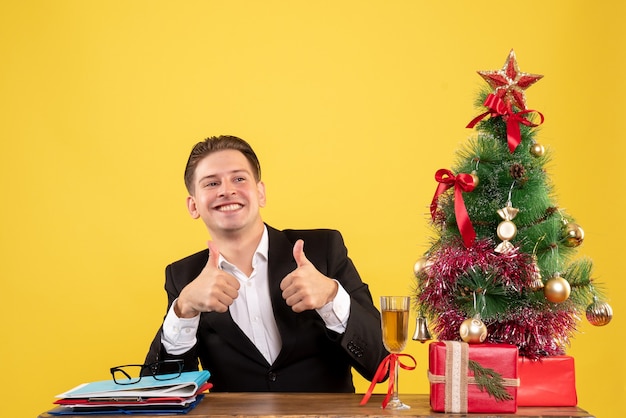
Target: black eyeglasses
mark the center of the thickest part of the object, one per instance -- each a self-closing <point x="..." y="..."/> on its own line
<point x="160" y="370"/>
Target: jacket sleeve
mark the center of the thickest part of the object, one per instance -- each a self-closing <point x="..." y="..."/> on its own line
<point x="362" y="340"/>
<point x="156" y="351"/>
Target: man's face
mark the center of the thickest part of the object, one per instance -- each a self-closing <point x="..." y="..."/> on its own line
<point x="226" y="195"/>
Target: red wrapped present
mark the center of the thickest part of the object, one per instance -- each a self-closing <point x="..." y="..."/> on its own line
<point x="457" y="372"/>
<point x="549" y="381"/>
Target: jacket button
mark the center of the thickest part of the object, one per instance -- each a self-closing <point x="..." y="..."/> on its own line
<point x="271" y="376"/>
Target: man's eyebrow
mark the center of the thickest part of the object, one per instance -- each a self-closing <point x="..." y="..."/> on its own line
<point x="241" y="171"/>
<point x="211" y="176"/>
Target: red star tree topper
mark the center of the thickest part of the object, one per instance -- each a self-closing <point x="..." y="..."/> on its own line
<point x="509" y="82"/>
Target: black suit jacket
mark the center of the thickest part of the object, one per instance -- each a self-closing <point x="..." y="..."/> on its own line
<point x="313" y="358"/>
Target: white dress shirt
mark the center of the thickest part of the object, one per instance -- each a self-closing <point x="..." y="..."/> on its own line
<point x="252" y="311"/>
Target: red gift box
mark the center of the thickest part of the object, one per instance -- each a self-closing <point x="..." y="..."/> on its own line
<point x="452" y="385"/>
<point x="549" y="381"/>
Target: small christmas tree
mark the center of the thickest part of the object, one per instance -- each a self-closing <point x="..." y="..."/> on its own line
<point x="501" y="267"/>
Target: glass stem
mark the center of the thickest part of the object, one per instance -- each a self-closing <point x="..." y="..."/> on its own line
<point x="395" y="397"/>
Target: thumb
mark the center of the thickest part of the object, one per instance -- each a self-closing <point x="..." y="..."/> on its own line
<point x="214" y="255"/>
<point x="298" y="253"/>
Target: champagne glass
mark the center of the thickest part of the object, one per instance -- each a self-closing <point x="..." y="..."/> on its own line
<point x="395" y="327"/>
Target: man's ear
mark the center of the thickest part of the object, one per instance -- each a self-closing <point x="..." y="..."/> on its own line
<point x="261" y="190"/>
<point x="192" y="208"/>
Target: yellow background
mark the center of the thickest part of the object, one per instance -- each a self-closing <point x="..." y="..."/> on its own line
<point x="351" y="105"/>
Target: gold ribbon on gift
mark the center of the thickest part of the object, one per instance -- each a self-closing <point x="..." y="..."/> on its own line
<point x="456" y="379"/>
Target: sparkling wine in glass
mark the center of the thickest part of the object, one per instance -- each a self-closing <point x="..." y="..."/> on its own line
<point x="395" y="328"/>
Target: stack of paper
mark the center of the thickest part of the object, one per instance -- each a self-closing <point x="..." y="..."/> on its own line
<point x="149" y="395"/>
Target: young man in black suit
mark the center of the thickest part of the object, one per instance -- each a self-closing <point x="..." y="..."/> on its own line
<point x="263" y="309"/>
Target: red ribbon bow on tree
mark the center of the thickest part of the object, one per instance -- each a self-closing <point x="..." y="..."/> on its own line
<point x="497" y="107"/>
<point x="462" y="183"/>
<point x="388" y="365"/>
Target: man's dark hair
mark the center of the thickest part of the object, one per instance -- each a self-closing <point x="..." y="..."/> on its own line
<point x="219" y="143"/>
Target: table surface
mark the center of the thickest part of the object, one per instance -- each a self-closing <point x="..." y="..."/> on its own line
<point x="329" y="405"/>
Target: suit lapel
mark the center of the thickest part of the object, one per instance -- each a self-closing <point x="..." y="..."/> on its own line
<point x="280" y="264"/>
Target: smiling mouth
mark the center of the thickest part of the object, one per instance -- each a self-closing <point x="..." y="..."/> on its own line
<point x="229" y="208"/>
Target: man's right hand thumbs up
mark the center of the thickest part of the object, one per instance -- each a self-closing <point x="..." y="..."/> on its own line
<point x="214" y="256"/>
<point x="213" y="290"/>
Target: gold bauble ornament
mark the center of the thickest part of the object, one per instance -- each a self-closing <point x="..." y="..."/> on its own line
<point x="557" y="289"/>
<point x="537" y="150"/>
<point x="473" y="330"/>
<point x="573" y="234"/>
<point x="475" y="178"/>
<point x="599" y="313"/>
<point x="421" y="265"/>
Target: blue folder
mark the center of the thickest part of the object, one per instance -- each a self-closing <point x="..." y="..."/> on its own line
<point x="185" y="385"/>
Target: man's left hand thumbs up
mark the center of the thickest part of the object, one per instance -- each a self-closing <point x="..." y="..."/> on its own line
<point x="298" y="254"/>
<point x="306" y="288"/>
